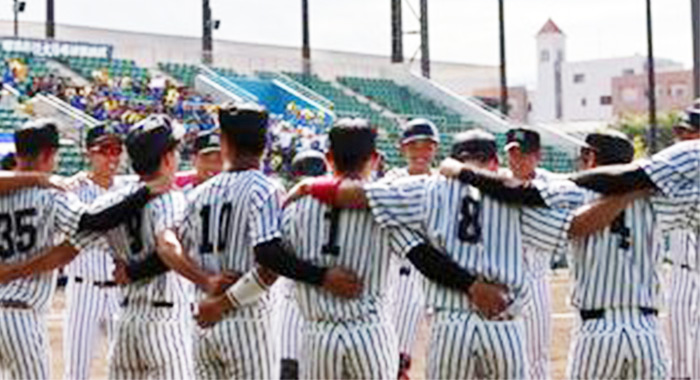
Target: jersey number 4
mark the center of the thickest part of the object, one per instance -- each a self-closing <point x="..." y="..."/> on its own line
<point x="17" y="233"/>
<point x="206" y="245"/>
<point x="469" y="224"/>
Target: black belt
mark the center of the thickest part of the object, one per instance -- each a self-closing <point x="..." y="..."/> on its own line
<point x="125" y="302"/>
<point x="599" y="313"/>
<point x="404" y="271"/>
<point x="99" y="284"/>
<point x="14" y="304"/>
<point x="685" y="266"/>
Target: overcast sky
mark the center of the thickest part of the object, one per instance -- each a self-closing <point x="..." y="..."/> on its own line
<point x="460" y="30"/>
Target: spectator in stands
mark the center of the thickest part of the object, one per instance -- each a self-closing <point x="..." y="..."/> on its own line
<point x="8" y="162"/>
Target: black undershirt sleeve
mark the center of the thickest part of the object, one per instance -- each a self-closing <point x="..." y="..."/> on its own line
<point x="439" y="268"/>
<point x="150" y="267"/>
<point x="273" y="255"/>
<point x="116" y="214"/>
<point x="614" y="179"/>
<point x="503" y="189"/>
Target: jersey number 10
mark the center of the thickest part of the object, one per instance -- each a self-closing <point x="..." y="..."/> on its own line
<point x="206" y="246"/>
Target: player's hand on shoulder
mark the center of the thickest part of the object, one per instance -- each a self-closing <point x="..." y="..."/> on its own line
<point x="342" y="282"/>
<point x="301" y="189"/>
<point x="52" y="181"/>
<point x="451" y="168"/>
<point x="4" y="274"/>
<point x="489" y="299"/>
<point x="210" y="310"/>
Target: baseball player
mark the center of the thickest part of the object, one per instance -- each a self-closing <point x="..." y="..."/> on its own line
<point x="91" y="294"/>
<point x="290" y="323"/>
<point x="616" y="276"/>
<point x="153" y="333"/>
<point x="523" y="150"/>
<point x="207" y="160"/>
<point x="683" y="291"/>
<point x="32" y="221"/>
<point x="229" y="217"/>
<point x="482" y="235"/>
<point x="419" y="145"/>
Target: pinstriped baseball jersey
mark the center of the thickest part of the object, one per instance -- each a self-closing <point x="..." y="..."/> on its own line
<point x="675" y="166"/>
<point x="360" y="245"/>
<point x="94" y="263"/>
<point x="616" y="267"/>
<point x="684" y="247"/>
<point x="480" y="234"/>
<point x="32" y="220"/>
<point x="134" y="241"/>
<point x="226" y="218"/>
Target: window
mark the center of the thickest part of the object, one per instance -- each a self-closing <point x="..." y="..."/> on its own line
<point x="629" y="95"/>
<point x="544" y="56"/>
<point x="583" y="102"/>
<point x="678" y="90"/>
<point x="605" y="100"/>
<point x="628" y="72"/>
<point x="579" y="78"/>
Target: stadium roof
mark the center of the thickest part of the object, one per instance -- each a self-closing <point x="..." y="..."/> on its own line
<point x="550" y="28"/>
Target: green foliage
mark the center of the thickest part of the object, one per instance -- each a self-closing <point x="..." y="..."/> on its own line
<point x="637" y="127"/>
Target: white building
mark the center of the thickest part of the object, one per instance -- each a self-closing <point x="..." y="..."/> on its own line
<point x="579" y="91"/>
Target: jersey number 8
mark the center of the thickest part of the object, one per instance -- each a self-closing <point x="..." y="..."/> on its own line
<point x="469" y="224"/>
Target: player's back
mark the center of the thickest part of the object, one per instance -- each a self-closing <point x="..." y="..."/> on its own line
<point x="229" y="215"/>
<point x="347" y="238"/>
<point x="31" y="221"/>
<point x="135" y="240"/>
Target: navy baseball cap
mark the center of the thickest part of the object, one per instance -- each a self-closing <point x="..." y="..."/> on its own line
<point x="420" y="129"/>
<point x="207" y="141"/>
<point x="100" y="133"/>
<point x="150" y="139"/>
<point x="690" y="121"/>
<point x="310" y="163"/>
<point x="611" y="147"/>
<point x="526" y="139"/>
<point x="474" y="144"/>
<point x="36" y="135"/>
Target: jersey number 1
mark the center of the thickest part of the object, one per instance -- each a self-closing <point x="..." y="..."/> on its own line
<point x="206" y="246"/>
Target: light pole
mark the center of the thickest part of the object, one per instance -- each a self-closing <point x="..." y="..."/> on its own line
<point x="425" y="48"/>
<point x="305" y="44"/>
<point x="652" y="82"/>
<point x="207" y="26"/>
<point x="18" y="7"/>
<point x="396" y="32"/>
<point x="502" y="40"/>
<point x="695" y="16"/>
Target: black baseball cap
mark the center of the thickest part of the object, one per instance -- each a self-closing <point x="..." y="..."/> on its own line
<point x="310" y="163"/>
<point x="150" y="139"/>
<point x="100" y="133"/>
<point x="207" y="141"/>
<point x="420" y="129"/>
<point x="690" y="121"/>
<point x="526" y="139"/>
<point x="36" y="135"/>
<point x="611" y="147"/>
<point x="474" y="144"/>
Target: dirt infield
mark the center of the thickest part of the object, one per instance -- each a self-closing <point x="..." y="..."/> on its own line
<point x="563" y="319"/>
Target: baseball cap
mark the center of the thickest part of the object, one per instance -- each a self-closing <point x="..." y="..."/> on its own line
<point x="690" y="121"/>
<point x="309" y="163"/>
<point x="526" y="139"/>
<point x="207" y="141"/>
<point x="473" y="144"/>
<point x="35" y="136"/>
<point x="420" y="129"/>
<point x="152" y="137"/>
<point x="100" y="133"/>
<point x="611" y="147"/>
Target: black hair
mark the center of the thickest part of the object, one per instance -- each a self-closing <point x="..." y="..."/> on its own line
<point x="245" y="127"/>
<point x="611" y="147"/>
<point x="35" y="137"/>
<point x="352" y="144"/>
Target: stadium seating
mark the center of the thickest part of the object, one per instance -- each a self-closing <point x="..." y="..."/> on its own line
<point x="86" y="66"/>
<point x="70" y="159"/>
<point x="36" y="68"/>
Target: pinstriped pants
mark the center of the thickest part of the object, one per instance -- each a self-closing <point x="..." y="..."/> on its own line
<point x="237" y="348"/>
<point x="349" y="350"/>
<point x="409" y="308"/>
<point x="465" y="346"/>
<point x="24" y="345"/>
<point x="89" y="313"/>
<point x="537" y="315"/>
<point x="152" y="346"/>
<point x="289" y="327"/>
<point x="621" y="345"/>
<point x="683" y="318"/>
